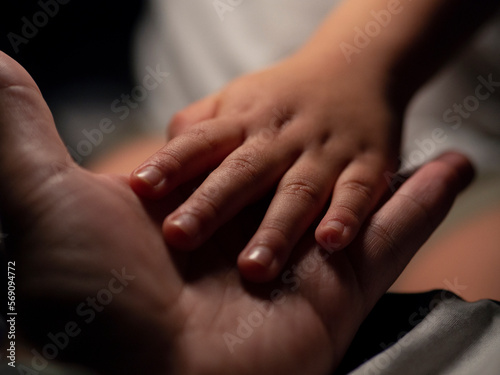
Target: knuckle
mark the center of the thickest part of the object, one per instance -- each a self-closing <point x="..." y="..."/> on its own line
<point x="241" y="166"/>
<point x="362" y="189"/>
<point x="205" y="201"/>
<point x="273" y="232"/>
<point x="423" y="210"/>
<point x="301" y="189"/>
<point x="168" y="159"/>
<point x="23" y="93"/>
<point x="355" y="200"/>
<point x="351" y="215"/>
<point x="201" y="135"/>
<point x="267" y="135"/>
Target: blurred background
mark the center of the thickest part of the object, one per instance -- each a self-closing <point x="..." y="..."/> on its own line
<point x="79" y="54"/>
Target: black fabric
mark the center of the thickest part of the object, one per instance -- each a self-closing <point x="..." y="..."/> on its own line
<point x="391" y="318"/>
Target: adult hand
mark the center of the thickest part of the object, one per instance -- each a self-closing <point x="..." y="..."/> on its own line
<point x="83" y="241"/>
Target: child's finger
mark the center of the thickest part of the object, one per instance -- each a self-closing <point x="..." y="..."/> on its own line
<point x="300" y="197"/>
<point x="356" y="193"/>
<point x="244" y="176"/>
<point x="203" y="147"/>
<point x="199" y="111"/>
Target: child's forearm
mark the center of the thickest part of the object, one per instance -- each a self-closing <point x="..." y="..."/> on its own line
<point x="396" y="43"/>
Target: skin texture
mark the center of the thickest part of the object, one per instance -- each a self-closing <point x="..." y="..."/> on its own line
<point x="71" y="230"/>
<point x="285" y="144"/>
<point x="320" y="127"/>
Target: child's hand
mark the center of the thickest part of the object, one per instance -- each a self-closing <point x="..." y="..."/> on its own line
<point x="315" y="133"/>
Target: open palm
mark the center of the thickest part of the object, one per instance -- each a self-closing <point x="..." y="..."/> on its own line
<point x="88" y="251"/>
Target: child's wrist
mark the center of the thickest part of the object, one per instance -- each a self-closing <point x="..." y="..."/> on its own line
<point x="372" y="73"/>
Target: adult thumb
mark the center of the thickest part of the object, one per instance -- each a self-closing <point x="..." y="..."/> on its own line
<point x="31" y="151"/>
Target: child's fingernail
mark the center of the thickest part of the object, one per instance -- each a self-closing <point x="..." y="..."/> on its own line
<point x="151" y="175"/>
<point x="335" y="240"/>
<point x="261" y="255"/>
<point x="336" y="226"/>
<point x="188" y="223"/>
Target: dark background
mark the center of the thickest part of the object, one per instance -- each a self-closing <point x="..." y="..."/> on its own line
<point x="85" y="41"/>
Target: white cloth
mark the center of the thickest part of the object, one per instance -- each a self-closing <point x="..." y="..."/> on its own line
<point x="204" y="48"/>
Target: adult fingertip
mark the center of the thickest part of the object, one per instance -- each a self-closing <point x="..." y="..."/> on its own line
<point x="463" y="167"/>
